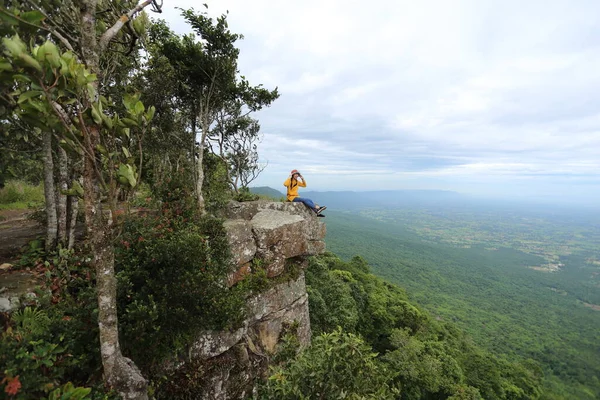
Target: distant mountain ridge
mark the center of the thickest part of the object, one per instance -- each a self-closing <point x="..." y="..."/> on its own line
<point x="347" y="199"/>
<point x="267" y="191"/>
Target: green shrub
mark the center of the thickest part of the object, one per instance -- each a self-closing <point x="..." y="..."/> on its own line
<point x="175" y="196"/>
<point x="61" y="326"/>
<point x="20" y="194"/>
<point x="70" y="392"/>
<point x="216" y="187"/>
<point x="171" y="283"/>
<point x="32" y="361"/>
<point x="142" y="196"/>
<point x="429" y="359"/>
<point x="244" y="194"/>
<point x="336" y="366"/>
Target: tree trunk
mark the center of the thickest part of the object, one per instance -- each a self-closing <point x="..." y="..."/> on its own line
<point x="73" y="210"/>
<point x="49" y="192"/>
<point x="200" y="178"/>
<point x="200" y="166"/>
<point x="73" y="201"/>
<point x="61" y="198"/>
<point x="120" y="373"/>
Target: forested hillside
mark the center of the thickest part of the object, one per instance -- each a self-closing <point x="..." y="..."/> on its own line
<point x="401" y="351"/>
<point x="505" y="306"/>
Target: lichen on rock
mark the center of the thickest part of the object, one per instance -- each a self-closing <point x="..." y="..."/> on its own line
<point x="279" y="235"/>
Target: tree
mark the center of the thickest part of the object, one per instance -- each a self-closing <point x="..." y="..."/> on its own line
<point x="61" y="90"/>
<point x="234" y="140"/>
<point x="337" y="365"/>
<point x="209" y="81"/>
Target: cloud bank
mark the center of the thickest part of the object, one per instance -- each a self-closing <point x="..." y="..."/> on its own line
<point x="496" y="98"/>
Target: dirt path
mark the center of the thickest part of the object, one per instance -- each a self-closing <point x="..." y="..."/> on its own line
<point x="16" y="231"/>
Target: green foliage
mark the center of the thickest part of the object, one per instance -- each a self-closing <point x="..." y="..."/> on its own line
<point x="30" y="321"/>
<point x="32" y="253"/>
<point x="216" y="188"/>
<point x="31" y="360"/>
<point x="55" y="340"/>
<point x="511" y="310"/>
<point x="142" y="197"/>
<point x="23" y="163"/>
<point x="212" y="101"/>
<point x="463" y="392"/>
<point x="21" y="192"/>
<point x="422" y="366"/>
<point x="337" y="365"/>
<point x="174" y="195"/>
<point x="171" y="274"/>
<point x="70" y="392"/>
<point x="257" y="281"/>
<point x="68" y="295"/>
<point x="347" y="295"/>
<point x="48" y="82"/>
<point x="244" y="194"/>
<point x="288" y="346"/>
<point x="428" y="359"/>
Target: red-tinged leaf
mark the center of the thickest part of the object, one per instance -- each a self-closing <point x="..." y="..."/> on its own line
<point x="13" y="386"/>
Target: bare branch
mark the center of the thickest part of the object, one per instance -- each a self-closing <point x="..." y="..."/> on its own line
<point x="62" y="39"/>
<point x="157" y="7"/>
<point x="134" y="39"/>
<point x="113" y="30"/>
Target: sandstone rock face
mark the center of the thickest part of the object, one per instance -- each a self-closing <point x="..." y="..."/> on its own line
<point x="280" y="236"/>
<point x="272" y="233"/>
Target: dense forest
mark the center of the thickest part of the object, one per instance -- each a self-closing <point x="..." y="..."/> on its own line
<point x="493" y="291"/>
<point x="369" y="328"/>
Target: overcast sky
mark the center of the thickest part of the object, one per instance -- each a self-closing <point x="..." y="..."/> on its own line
<point x="484" y="97"/>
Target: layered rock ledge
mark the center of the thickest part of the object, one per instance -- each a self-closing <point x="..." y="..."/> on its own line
<point x="276" y="237"/>
<point x="272" y="233"/>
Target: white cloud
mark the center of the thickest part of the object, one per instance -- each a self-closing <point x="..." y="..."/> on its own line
<point x="462" y="91"/>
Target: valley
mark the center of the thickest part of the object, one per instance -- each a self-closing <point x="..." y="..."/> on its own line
<point x="522" y="281"/>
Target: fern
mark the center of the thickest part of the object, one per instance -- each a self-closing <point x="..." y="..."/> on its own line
<point x="31" y="321"/>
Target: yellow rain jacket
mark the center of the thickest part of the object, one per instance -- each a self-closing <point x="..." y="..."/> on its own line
<point x="292" y="186"/>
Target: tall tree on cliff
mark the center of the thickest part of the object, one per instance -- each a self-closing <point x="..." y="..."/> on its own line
<point x="209" y="79"/>
<point x="62" y="90"/>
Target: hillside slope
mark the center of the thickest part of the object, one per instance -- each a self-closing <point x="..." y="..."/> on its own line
<point x="507" y="308"/>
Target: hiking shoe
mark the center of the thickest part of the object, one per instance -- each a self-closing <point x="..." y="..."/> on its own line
<point x="320" y="209"/>
<point x="320" y="215"/>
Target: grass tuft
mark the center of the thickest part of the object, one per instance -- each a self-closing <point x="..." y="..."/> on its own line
<point x="19" y="194"/>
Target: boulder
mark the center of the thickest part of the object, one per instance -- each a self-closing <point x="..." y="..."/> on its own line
<point x="15" y="285"/>
<point x="272" y="232"/>
<point x="5" y="267"/>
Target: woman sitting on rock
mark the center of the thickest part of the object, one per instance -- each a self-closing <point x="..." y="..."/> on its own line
<point x="292" y="183"/>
